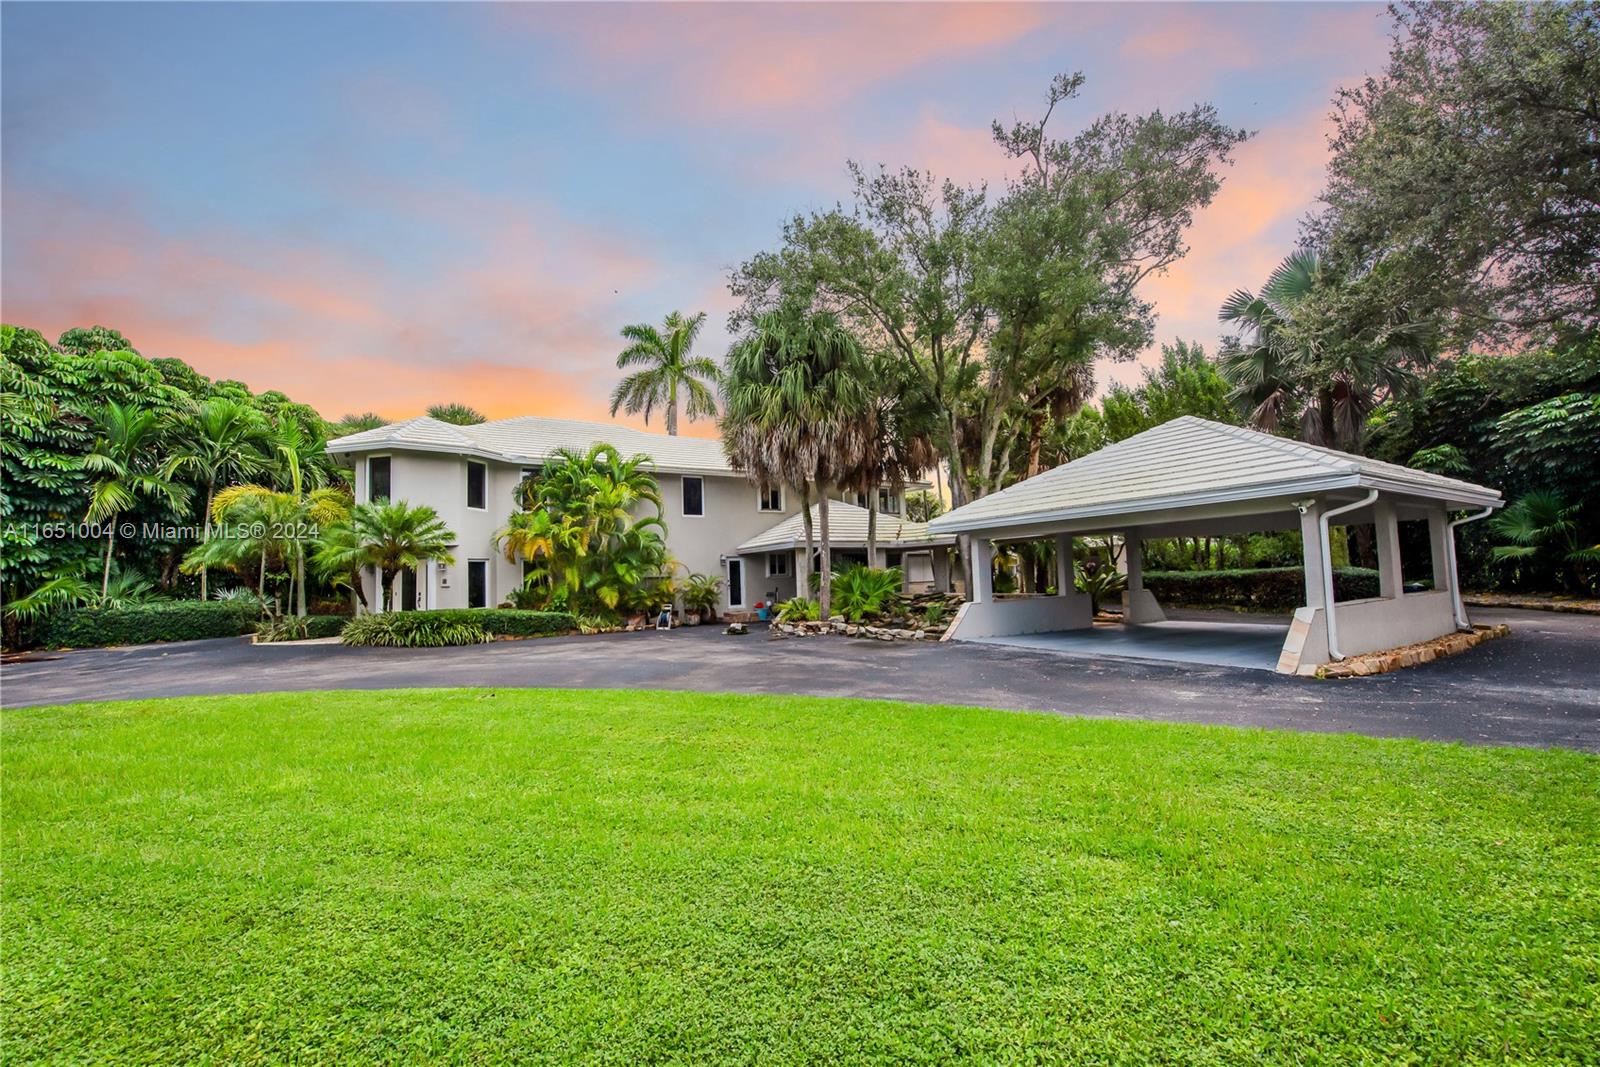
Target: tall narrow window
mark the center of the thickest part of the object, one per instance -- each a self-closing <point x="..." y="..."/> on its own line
<point x="477" y="485"/>
<point x="477" y="583"/>
<point x="378" y="478"/>
<point x="694" y="496"/>
<point x="771" y="498"/>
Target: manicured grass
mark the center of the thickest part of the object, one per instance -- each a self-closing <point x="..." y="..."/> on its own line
<point x="624" y="877"/>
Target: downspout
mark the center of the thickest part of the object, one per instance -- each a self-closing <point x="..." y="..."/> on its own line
<point x="1455" y="575"/>
<point x="1327" y="569"/>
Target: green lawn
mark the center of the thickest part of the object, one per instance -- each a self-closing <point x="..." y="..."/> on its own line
<point x="622" y="876"/>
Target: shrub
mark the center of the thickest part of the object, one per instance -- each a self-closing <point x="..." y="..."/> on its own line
<point x="702" y="593"/>
<point x="413" y="629"/>
<point x="179" y="620"/>
<point x="862" y="591"/>
<point x="1264" y="589"/>
<point x="1100" y="583"/>
<point x="295" y="628"/>
<point x="799" y="609"/>
<point x="490" y="622"/>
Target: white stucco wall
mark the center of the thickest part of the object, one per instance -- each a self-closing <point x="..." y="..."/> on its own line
<point x="1372" y="625"/>
<point x="701" y="544"/>
<point x="1022" y="615"/>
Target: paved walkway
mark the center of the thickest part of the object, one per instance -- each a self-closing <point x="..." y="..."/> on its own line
<point x="1540" y="686"/>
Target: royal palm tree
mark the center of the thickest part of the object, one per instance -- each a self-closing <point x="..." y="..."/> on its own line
<point x="219" y="442"/>
<point x="126" y="461"/>
<point x="669" y="370"/>
<point x="392" y="536"/>
<point x="797" y="411"/>
<point x="1312" y="347"/>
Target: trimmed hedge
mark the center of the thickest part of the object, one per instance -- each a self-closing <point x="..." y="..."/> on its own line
<point x="181" y="620"/>
<point x="1262" y="589"/>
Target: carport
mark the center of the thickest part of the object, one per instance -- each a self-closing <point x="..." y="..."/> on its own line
<point x="1192" y="477"/>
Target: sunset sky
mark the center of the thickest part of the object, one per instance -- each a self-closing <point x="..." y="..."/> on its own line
<point x="380" y="206"/>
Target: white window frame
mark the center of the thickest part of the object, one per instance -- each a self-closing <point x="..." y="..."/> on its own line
<point x="785" y="558"/>
<point x="888" y="504"/>
<point x="744" y="580"/>
<point x="468" y="484"/>
<point x="388" y="456"/>
<point x="683" y="484"/>
<point x="761" y="497"/>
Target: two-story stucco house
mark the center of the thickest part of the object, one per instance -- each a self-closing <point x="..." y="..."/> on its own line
<point x="717" y="522"/>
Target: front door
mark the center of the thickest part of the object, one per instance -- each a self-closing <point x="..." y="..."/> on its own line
<point x="408" y="590"/>
<point x="736" y="583"/>
<point x="478" y="583"/>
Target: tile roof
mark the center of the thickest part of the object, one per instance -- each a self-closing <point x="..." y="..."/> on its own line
<point x="534" y="437"/>
<point x="847" y="527"/>
<point x="1191" y="462"/>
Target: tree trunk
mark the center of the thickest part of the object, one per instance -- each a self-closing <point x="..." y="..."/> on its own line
<point x="205" y="536"/>
<point x="811" y="537"/>
<point x="825" y="596"/>
<point x="300" y="579"/>
<point x="105" y="574"/>
<point x="261" y="580"/>
<point x="872" y="532"/>
<point x="388" y="576"/>
<point x="672" y="409"/>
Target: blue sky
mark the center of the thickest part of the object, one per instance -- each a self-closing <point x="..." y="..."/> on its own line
<point x="377" y="206"/>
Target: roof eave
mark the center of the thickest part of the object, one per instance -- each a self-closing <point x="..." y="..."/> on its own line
<point x="479" y="452"/>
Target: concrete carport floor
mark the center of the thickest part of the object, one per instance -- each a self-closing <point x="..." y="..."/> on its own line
<point x="1253" y="642"/>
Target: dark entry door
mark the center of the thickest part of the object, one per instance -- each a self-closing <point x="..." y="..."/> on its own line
<point x="736" y="582"/>
<point x="408" y="590"/>
<point x="477" y="583"/>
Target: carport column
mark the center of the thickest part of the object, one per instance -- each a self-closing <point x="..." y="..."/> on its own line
<point x="1065" y="566"/>
<point x="1133" y="552"/>
<point x="1439" y="547"/>
<point x="1390" y="582"/>
<point x="1311" y="553"/>
<point x="982" y="570"/>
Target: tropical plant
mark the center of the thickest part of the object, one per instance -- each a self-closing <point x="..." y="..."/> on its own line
<point x="1543" y="539"/>
<point x="390" y="535"/>
<point x="74" y="590"/>
<point x="578" y="540"/>
<point x="799" y="609"/>
<point x="862" y="592"/>
<point x="353" y="423"/>
<point x="702" y="594"/>
<point x="412" y="629"/>
<point x="221" y="441"/>
<point x="1306" y="354"/>
<point x="1099" y="582"/>
<point x="923" y="506"/>
<point x="456" y="414"/>
<point x="934" y="614"/>
<point x="668" y="370"/>
<point x="126" y="463"/>
<point x="797" y="410"/>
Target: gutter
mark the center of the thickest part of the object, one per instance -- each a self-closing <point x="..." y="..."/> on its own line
<point x="1327" y="569"/>
<point x="1455" y="575"/>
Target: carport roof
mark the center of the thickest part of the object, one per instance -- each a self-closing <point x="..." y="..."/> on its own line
<point x="1193" y="462"/>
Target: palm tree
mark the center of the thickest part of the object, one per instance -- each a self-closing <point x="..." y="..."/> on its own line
<point x="669" y="369"/>
<point x="797" y="411"/>
<point x="1312" y="347"/>
<point x="125" y="456"/>
<point x="220" y="441"/>
<point x="458" y="414"/>
<point x="390" y="535"/>
<point x="265" y="523"/>
<point x="902" y="446"/>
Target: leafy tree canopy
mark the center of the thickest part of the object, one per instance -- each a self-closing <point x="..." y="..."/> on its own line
<point x="1471" y="167"/>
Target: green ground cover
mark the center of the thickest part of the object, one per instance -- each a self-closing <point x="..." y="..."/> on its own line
<point x="627" y="877"/>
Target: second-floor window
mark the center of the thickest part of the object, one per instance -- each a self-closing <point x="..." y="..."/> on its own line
<point x="694" y="496"/>
<point x="888" y="502"/>
<point x="477" y="485"/>
<point x="771" y="498"/>
<point x="378" y="478"/>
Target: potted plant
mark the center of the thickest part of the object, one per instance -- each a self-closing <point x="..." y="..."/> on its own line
<point x="700" y="597"/>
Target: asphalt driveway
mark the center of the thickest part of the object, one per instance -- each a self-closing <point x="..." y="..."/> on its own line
<point x="1538" y="687"/>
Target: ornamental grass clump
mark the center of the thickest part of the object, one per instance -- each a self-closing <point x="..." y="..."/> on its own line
<point x="412" y="630"/>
